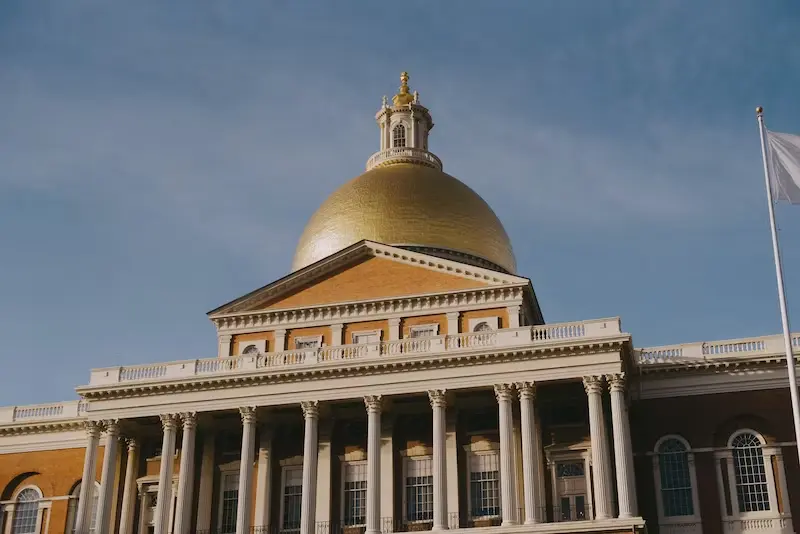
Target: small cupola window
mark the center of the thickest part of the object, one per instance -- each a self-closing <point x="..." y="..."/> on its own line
<point x="398" y="136"/>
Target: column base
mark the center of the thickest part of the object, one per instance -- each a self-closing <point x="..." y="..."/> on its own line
<point x="439" y="528"/>
<point x="509" y="523"/>
<point x="531" y="522"/>
<point x="625" y="516"/>
<point x="372" y="531"/>
<point x="603" y="516"/>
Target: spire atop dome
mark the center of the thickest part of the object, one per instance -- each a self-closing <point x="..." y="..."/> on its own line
<point x="405" y="126"/>
<point x="404" y="97"/>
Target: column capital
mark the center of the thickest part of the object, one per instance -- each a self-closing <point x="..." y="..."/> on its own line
<point x="503" y="392"/>
<point x="394" y="321"/>
<point x="374" y="403"/>
<point x="169" y="421"/>
<point x="132" y="444"/>
<point x="248" y="414"/>
<point x="337" y="326"/>
<point x="453" y="315"/>
<point x="526" y="390"/>
<point x="224" y="338"/>
<point x="280" y="332"/>
<point x="189" y="420"/>
<point x="593" y="384"/>
<point x="437" y="398"/>
<point x="310" y="409"/>
<point x="111" y="427"/>
<point x="616" y="382"/>
<point x="92" y="428"/>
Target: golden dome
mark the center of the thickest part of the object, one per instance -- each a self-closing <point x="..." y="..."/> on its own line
<point x="406" y="204"/>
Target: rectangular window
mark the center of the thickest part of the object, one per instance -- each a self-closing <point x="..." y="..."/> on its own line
<point x="424" y="330"/>
<point x="292" y="497"/>
<point x="484" y="485"/>
<point x="366" y="337"/>
<point x="419" y="489"/>
<point x="230" y="499"/>
<point x="307" y="343"/>
<point x="355" y="494"/>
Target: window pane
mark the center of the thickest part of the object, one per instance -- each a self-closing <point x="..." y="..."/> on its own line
<point x="25" y="512"/>
<point x="751" y="478"/>
<point x="419" y="489"/>
<point x="292" y="498"/>
<point x="484" y="485"/>
<point x="355" y="494"/>
<point x="230" y="499"/>
<point x="676" y="484"/>
<point x="399" y="136"/>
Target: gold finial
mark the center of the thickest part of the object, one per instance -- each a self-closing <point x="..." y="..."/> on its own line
<point x="759" y="110"/>
<point x="403" y="97"/>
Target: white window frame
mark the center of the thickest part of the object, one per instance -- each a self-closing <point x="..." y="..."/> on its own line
<point x="287" y="465"/>
<point x="493" y="322"/>
<point x="406" y="461"/>
<point x="259" y="344"/>
<point x="345" y="465"/>
<point x="768" y="453"/>
<point x="492" y="449"/>
<point x="423" y="328"/>
<point x="72" y="512"/>
<point x="378" y="333"/>
<point x="692" y="523"/>
<point x="406" y="135"/>
<point x="231" y="468"/>
<point x="9" y="509"/>
<point x="303" y="339"/>
<point x="571" y="456"/>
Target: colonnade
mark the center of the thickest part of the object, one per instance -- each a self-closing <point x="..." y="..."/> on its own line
<point x="506" y="394"/>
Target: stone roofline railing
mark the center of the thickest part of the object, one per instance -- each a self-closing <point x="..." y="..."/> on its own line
<point x="40" y="412"/>
<point x="404" y="154"/>
<point x="703" y="352"/>
<point x="309" y="358"/>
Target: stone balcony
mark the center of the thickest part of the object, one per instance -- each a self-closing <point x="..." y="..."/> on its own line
<point x="404" y="154"/>
<point x="710" y="352"/>
<point x="557" y="333"/>
<point x="42" y="412"/>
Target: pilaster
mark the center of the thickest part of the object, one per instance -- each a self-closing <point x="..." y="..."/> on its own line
<point x="280" y="340"/>
<point x="224" y="344"/>
<point x="453" y="322"/>
<point x="394" y="329"/>
<point x="336" y="334"/>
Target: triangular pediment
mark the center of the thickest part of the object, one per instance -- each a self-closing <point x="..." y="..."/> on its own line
<point x="367" y="271"/>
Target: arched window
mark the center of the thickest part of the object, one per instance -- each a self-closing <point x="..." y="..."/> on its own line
<point x="250" y="350"/>
<point x="752" y="490"/>
<point x="73" y="508"/>
<point x="398" y="136"/>
<point x="25" y="517"/>
<point x="483" y="326"/>
<point x="676" y="483"/>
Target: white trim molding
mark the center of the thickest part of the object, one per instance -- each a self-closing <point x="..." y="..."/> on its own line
<point x="677" y="524"/>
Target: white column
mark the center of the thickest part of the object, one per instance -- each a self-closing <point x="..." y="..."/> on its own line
<point x="245" y="501"/>
<point x="513" y="318"/>
<point x="439" y="405"/>
<point x="129" y="492"/>
<point x="323" y="504"/>
<point x="183" y="511"/>
<point x="394" y="329"/>
<point x="224" y="345"/>
<point x="531" y="455"/>
<point x="280" y="340"/>
<point x="623" y="451"/>
<point x="387" y="472"/>
<point x="336" y="335"/>
<point x="308" y="502"/>
<point x="373" y="404"/>
<point x="452" y="469"/>
<point x="452" y="323"/>
<point x="83" y="519"/>
<point x="263" y="478"/>
<point x="107" y="479"/>
<point x="205" y="491"/>
<point x="164" y="500"/>
<point x="503" y="392"/>
<point x="601" y="463"/>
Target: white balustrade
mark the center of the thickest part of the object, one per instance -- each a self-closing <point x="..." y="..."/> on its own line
<point x="404" y="153"/>
<point x="472" y="340"/>
<point x="406" y="346"/>
<point x="142" y="372"/>
<point x="219" y="365"/>
<point x="710" y="351"/>
<point x="43" y="412"/>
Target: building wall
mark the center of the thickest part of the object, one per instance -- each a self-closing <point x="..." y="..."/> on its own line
<point x="767" y="411"/>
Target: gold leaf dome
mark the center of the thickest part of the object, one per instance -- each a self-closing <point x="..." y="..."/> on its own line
<point x="409" y="205"/>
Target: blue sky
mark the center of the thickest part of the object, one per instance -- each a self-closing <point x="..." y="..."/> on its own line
<point x="159" y="159"/>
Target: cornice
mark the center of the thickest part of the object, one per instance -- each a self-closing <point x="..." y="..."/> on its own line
<point x="415" y="361"/>
<point x="42" y="427"/>
<point x="719" y="364"/>
<point x="369" y="309"/>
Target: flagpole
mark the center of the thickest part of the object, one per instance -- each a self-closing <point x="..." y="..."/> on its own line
<point x="787" y="336"/>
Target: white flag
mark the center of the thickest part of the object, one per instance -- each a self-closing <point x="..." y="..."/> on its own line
<point x="784" y="160"/>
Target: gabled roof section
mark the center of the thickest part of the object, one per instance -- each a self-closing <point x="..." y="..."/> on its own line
<point x="367" y="270"/>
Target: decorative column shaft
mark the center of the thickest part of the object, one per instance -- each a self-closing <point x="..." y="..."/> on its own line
<point x="263" y="479"/>
<point x="86" y="497"/>
<point x="623" y="451"/>
<point x="600" y="458"/>
<point x="308" y="501"/>
<point x="129" y="490"/>
<point x="107" y="479"/>
<point x="503" y="392"/>
<point x="205" y="489"/>
<point x="183" y="511"/>
<point x="531" y="456"/>
<point x="164" y="499"/>
<point x="373" y="404"/>
<point x="439" y="405"/>
<point x="245" y="500"/>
